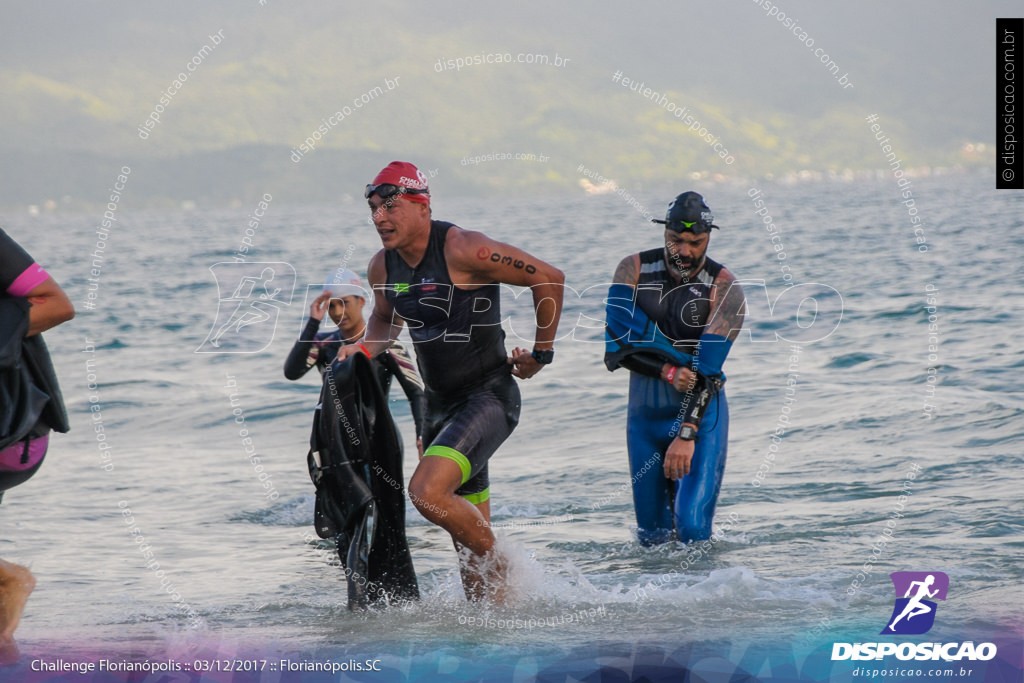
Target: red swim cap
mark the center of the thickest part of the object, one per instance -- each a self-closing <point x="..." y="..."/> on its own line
<point x="406" y="175"/>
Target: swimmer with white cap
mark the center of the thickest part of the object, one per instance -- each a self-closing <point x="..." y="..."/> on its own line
<point x="343" y="299"/>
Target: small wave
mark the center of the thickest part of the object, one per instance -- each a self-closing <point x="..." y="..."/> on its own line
<point x="850" y="359"/>
<point x="291" y="512"/>
<point x="529" y="511"/>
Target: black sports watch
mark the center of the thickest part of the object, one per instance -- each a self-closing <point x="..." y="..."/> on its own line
<point x="543" y="357"/>
<point x="687" y="433"/>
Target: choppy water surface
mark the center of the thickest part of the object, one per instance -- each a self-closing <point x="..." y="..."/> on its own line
<point x="792" y="542"/>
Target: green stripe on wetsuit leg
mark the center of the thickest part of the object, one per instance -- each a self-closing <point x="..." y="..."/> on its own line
<point x="452" y="454"/>
<point x="477" y="498"/>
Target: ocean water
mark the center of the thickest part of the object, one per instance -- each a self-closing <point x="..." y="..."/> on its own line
<point x="240" y="574"/>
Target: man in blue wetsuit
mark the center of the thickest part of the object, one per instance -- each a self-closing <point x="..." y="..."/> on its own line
<point x="444" y="282"/>
<point x="672" y="316"/>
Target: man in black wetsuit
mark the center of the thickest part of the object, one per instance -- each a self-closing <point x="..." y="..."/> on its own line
<point x="343" y="299"/>
<point x="444" y="282"/>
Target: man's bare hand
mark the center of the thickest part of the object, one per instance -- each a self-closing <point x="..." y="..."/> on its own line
<point x="524" y="365"/>
<point x="684" y="379"/>
<point x="678" y="458"/>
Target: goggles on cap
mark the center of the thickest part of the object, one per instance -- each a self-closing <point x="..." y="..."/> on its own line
<point x="388" y="190"/>
<point x="688" y="205"/>
<point x="696" y="227"/>
<point x="674" y="222"/>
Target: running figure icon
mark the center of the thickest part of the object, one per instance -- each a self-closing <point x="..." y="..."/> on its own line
<point x="916" y="595"/>
<point x="915" y="607"/>
<point x="247" y="317"/>
<point x="245" y="293"/>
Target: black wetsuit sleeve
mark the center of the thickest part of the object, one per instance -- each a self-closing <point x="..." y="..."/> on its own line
<point x="13" y="261"/>
<point x="299" y="360"/>
<point x="643" y="363"/>
<point x="696" y="401"/>
<point x="413" y="390"/>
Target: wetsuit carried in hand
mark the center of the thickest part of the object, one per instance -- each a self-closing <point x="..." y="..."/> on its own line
<point x="662" y="321"/>
<point x="319" y="349"/>
<point x="355" y="462"/>
<point x="473" y="402"/>
<point x="30" y="400"/>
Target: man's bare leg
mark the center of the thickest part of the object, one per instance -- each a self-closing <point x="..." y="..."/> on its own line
<point x="16" y="583"/>
<point x="475" y="580"/>
<point x="432" y="490"/>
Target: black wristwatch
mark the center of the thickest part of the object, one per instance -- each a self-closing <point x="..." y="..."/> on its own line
<point x="543" y="357"/>
<point x="687" y="433"/>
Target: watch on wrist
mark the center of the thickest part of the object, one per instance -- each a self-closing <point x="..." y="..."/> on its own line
<point x="687" y="433"/>
<point x="543" y="357"/>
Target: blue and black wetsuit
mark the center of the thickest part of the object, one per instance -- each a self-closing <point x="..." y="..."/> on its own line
<point x="473" y="402"/>
<point x="663" y="321"/>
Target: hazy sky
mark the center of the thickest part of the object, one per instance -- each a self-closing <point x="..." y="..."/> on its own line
<point x="84" y="75"/>
<point x="939" y="54"/>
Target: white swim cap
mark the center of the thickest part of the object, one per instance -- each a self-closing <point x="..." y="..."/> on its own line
<point x="343" y="282"/>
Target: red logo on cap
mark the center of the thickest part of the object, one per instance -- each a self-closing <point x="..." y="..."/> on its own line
<point x="402" y="173"/>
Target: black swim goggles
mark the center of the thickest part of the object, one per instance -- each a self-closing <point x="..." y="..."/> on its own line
<point x="389" y="190"/>
<point x="681" y="226"/>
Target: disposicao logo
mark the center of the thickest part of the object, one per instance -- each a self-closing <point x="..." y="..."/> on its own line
<point x="247" y="318"/>
<point x="914" y="614"/>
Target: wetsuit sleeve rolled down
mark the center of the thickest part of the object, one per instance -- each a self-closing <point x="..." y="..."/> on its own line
<point x="695" y="402"/>
<point x="643" y="363"/>
<point x="708" y="361"/>
<point x="628" y="331"/>
<point x="619" y="322"/>
<point x="712" y="351"/>
<point x="303" y="355"/>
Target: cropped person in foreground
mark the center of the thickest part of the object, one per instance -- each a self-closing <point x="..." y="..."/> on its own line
<point x="30" y="400"/>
